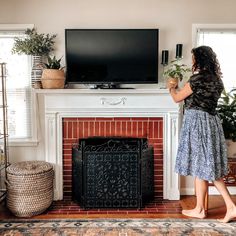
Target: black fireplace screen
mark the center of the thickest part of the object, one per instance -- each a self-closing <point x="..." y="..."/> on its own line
<point x="112" y="172"/>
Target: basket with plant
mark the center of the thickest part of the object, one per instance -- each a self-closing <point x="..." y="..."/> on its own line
<point x="53" y="75"/>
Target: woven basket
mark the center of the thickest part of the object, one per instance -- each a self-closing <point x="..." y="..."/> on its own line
<point x="29" y="187"/>
<point x="53" y="79"/>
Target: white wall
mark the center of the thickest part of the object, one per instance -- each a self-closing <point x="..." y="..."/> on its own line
<point x="173" y="18"/>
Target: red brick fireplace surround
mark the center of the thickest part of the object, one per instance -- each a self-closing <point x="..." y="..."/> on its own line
<point x="141" y="127"/>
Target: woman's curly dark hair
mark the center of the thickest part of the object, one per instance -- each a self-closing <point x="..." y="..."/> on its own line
<point x="206" y="60"/>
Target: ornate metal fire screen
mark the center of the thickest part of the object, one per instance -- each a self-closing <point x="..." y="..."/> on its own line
<point x="112" y="172"/>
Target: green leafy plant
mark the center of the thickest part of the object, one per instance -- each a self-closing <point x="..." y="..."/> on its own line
<point x="34" y="43"/>
<point x="176" y="70"/>
<point x="227" y="111"/>
<point x="53" y="63"/>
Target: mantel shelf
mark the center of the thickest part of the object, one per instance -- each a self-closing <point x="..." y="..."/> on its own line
<point x="101" y="91"/>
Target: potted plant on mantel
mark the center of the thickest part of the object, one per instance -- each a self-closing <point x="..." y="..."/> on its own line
<point x="36" y="45"/>
<point x="176" y="71"/>
<point x="227" y="111"/>
<point x="53" y="76"/>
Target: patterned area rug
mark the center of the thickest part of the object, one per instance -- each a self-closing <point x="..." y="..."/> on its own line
<point x="116" y="227"/>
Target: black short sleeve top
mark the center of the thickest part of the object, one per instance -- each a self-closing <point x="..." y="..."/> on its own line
<point x="207" y="89"/>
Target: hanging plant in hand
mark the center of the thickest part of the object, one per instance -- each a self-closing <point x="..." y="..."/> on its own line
<point x="176" y="70"/>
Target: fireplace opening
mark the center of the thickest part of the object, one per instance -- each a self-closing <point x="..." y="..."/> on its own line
<point x="112" y="172"/>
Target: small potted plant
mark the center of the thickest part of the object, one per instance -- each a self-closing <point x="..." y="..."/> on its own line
<point x="227" y="111"/>
<point x="176" y="71"/>
<point x="53" y="76"/>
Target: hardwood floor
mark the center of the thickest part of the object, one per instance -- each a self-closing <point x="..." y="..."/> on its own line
<point x="167" y="209"/>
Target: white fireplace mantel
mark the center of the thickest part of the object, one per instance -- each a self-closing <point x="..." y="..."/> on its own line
<point x="55" y="104"/>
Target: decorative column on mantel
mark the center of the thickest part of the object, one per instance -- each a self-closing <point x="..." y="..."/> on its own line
<point x="56" y="104"/>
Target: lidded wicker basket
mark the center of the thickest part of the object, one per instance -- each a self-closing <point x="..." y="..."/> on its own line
<point x="29" y="187"/>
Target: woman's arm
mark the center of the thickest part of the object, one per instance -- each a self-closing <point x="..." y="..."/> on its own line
<point x="180" y="95"/>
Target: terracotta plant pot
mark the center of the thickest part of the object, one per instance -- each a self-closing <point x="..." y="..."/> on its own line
<point x="173" y="81"/>
<point x="53" y="79"/>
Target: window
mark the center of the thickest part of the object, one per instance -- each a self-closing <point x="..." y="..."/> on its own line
<point x="222" y="39"/>
<point x="18" y="85"/>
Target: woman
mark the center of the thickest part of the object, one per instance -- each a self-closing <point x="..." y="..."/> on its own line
<point x="202" y="152"/>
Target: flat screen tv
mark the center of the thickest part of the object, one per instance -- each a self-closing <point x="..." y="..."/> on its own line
<point x="111" y="56"/>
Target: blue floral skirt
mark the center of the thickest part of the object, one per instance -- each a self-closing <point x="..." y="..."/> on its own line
<point x="202" y="150"/>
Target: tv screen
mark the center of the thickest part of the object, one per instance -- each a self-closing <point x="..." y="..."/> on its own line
<point x="111" y="56"/>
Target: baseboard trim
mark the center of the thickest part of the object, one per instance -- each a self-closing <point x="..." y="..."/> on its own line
<point x="187" y="191"/>
<point x="212" y="191"/>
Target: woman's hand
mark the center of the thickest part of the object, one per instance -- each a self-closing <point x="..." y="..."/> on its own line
<point x="180" y="94"/>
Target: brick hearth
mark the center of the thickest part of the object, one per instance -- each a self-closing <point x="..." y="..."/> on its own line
<point x="76" y="128"/>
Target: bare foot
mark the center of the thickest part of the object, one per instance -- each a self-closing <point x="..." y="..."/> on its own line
<point x="230" y="215"/>
<point x="194" y="213"/>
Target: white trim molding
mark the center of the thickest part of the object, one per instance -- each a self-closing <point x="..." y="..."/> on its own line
<point x="16" y="26"/>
